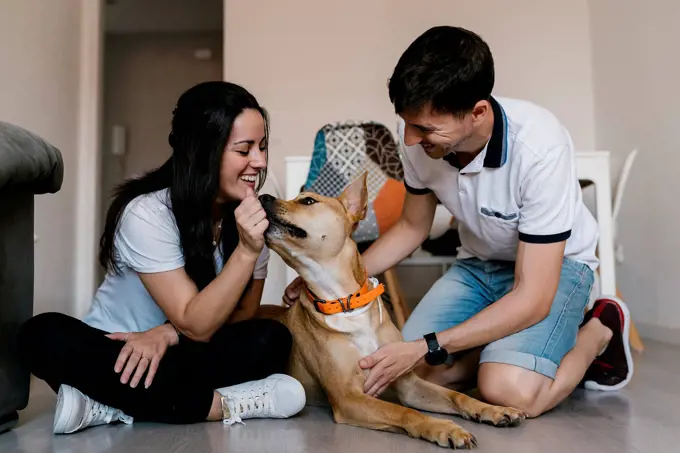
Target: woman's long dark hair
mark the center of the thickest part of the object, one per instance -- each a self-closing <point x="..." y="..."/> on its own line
<point x="201" y="125"/>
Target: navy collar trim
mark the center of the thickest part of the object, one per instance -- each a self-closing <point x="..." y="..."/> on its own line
<point x="497" y="151"/>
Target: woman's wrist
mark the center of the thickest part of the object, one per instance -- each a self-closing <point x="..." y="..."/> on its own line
<point x="246" y="253"/>
<point x="171" y="333"/>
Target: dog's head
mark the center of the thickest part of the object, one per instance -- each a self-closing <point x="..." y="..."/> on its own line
<point x="312" y="229"/>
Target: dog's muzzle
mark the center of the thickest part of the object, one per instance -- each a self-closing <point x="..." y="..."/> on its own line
<point x="269" y="204"/>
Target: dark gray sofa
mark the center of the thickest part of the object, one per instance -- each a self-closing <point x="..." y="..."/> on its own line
<point x="28" y="166"/>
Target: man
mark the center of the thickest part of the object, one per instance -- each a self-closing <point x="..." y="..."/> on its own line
<point x="510" y="312"/>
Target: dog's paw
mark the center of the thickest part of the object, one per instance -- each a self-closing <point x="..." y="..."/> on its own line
<point x="501" y="416"/>
<point x="445" y="433"/>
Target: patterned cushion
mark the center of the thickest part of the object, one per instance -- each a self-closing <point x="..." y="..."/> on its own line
<point x="342" y="152"/>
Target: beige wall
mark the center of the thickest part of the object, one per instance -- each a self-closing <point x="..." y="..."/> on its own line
<point x="636" y="77"/>
<point x="312" y="62"/>
<point x="39" y="48"/>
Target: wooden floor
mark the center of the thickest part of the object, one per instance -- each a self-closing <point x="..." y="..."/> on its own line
<point x="644" y="417"/>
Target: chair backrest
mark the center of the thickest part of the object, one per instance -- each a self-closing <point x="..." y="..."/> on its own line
<point x="621" y="185"/>
<point x="342" y="152"/>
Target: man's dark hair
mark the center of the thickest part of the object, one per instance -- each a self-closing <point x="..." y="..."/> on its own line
<point x="447" y="68"/>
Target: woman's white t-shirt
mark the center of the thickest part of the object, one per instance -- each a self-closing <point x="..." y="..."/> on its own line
<point x="147" y="241"/>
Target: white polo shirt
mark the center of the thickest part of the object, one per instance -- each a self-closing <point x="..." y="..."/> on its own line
<point x="522" y="186"/>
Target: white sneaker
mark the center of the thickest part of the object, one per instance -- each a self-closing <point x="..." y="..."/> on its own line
<point x="277" y="396"/>
<point x="76" y="411"/>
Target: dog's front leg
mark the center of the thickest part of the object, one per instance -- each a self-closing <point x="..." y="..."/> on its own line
<point x="421" y="394"/>
<point x="361" y="410"/>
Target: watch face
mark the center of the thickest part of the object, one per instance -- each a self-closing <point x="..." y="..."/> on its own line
<point x="436" y="357"/>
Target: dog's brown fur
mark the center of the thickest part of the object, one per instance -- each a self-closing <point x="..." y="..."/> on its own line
<point x="326" y="352"/>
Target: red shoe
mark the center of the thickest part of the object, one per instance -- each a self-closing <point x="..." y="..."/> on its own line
<point x="613" y="369"/>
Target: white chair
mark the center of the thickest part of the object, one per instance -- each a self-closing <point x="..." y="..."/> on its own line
<point x="618" y="199"/>
<point x="635" y="340"/>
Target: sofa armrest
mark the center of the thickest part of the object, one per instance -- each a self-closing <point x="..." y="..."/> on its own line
<point x="28" y="161"/>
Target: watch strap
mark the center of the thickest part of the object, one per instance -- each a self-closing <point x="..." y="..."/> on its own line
<point x="432" y="343"/>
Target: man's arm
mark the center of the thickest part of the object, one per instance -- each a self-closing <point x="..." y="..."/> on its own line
<point x="249" y="303"/>
<point x="405" y="236"/>
<point x="549" y="196"/>
<point x="537" y="275"/>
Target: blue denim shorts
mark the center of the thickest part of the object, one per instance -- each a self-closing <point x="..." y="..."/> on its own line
<point x="471" y="285"/>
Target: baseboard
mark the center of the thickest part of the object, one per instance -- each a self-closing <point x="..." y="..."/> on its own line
<point x="659" y="333"/>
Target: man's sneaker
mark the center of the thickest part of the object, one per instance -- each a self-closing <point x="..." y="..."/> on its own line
<point x="277" y="396"/>
<point x="76" y="411"/>
<point x="613" y="368"/>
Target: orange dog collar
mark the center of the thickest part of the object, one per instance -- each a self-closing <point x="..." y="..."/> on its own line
<point x="359" y="299"/>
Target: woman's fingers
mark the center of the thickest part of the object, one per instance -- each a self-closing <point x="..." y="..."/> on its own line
<point x="248" y="212"/>
<point x="255" y="218"/>
<point x="153" y="367"/>
<point x="247" y="208"/>
<point x="122" y="358"/>
<point x="139" y="372"/>
<point x="253" y="228"/>
<point x="260" y="228"/>
<point x="140" y="355"/>
<point x="130" y="367"/>
<point x="118" y="336"/>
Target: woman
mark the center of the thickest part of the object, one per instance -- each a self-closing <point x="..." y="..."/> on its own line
<point x="169" y="337"/>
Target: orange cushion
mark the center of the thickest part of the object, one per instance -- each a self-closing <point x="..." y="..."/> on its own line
<point x="388" y="204"/>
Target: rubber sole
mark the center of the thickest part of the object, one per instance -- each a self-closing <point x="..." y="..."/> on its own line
<point x="64" y="409"/>
<point x="592" y="385"/>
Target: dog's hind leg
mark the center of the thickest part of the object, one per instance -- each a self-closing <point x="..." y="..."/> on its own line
<point x="421" y="394"/>
<point x="358" y="409"/>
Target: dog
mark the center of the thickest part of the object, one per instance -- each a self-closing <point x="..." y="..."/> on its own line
<point x="332" y="332"/>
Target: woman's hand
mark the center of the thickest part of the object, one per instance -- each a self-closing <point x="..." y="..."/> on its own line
<point x="142" y="351"/>
<point x="251" y="222"/>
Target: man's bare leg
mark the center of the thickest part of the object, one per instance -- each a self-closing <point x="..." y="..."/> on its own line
<point x="533" y="393"/>
<point x="455" y="376"/>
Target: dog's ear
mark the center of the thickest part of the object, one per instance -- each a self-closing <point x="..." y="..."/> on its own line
<point x="355" y="199"/>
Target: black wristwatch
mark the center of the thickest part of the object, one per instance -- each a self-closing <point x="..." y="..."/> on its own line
<point x="436" y="355"/>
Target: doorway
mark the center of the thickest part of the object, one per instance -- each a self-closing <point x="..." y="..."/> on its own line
<point x="124" y="109"/>
<point x="152" y="52"/>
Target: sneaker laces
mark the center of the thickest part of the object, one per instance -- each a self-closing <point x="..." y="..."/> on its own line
<point x="99" y="413"/>
<point x="248" y="403"/>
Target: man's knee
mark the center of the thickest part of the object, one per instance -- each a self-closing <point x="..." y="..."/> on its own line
<point x="511" y="386"/>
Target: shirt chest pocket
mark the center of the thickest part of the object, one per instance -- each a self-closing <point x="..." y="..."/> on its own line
<point x="499" y="225"/>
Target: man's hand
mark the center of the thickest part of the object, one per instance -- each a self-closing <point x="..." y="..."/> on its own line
<point x="292" y="293"/>
<point x="389" y="363"/>
<point x="143" y="350"/>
